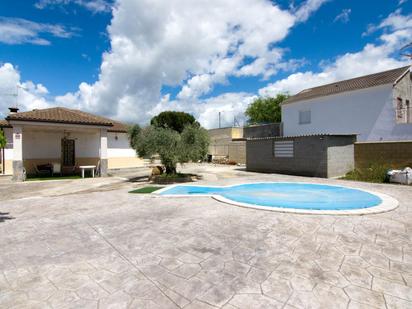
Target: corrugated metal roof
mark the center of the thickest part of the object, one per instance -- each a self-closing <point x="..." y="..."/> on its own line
<point x="295" y="136"/>
<point x="363" y="82"/>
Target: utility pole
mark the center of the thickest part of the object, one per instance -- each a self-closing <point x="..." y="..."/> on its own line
<point x="219" y="121"/>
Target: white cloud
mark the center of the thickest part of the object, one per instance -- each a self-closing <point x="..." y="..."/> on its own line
<point x="304" y="11"/>
<point x="397" y="31"/>
<point x="96" y="6"/>
<point x="231" y="106"/>
<point x="183" y="43"/>
<point x="188" y="44"/>
<point x="26" y="95"/>
<point x="343" y="16"/>
<point x="194" y="46"/>
<point x="21" y="31"/>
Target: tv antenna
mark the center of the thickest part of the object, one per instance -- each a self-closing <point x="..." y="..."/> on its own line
<point x="15" y="94"/>
<point x="406" y="51"/>
<point x="235" y="122"/>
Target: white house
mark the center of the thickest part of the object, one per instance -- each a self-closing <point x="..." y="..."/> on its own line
<point x="377" y="107"/>
<point x="65" y="136"/>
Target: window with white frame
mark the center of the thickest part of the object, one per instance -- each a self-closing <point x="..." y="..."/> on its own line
<point x="304" y="117"/>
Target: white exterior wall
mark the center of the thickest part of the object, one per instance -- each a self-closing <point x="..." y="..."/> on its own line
<point x="368" y="112"/>
<point x="119" y="148"/>
<point x="47" y="145"/>
<point x="120" y="154"/>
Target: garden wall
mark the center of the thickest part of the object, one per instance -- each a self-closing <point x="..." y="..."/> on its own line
<point x="397" y="154"/>
<point x="315" y="155"/>
<point x="263" y="130"/>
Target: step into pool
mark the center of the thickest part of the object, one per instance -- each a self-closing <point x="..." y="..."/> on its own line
<point x="291" y="196"/>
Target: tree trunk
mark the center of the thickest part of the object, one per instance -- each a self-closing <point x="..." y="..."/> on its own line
<point x="170" y="170"/>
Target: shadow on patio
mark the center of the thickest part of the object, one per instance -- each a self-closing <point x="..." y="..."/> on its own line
<point x="5" y="216"/>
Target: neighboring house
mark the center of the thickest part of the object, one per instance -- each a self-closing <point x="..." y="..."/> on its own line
<point x="222" y="144"/>
<point x="66" y="136"/>
<point x="376" y="107"/>
<point x="230" y="143"/>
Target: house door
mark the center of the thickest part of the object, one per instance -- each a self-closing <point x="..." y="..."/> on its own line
<point x="68" y="158"/>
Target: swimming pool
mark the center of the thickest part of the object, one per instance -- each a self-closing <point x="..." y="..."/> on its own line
<point x="295" y="197"/>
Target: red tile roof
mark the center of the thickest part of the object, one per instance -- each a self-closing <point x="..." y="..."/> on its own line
<point x="4" y="124"/>
<point x="372" y="80"/>
<point x="68" y="116"/>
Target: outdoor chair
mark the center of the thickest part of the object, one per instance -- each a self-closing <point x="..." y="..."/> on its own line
<point x="43" y="170"/>
<point x="57" y="168"/>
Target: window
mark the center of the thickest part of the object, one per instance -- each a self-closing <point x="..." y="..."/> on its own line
<point x="399" y="109"/>
<point x="283" y="149"/>
<point x="304" y="117"/>
<point x="408" y="112"/>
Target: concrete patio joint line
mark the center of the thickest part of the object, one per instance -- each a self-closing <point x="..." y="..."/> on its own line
<point x="131" y="264"/>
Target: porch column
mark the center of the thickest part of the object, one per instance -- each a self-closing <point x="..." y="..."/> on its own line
<point x="18" y="168"/>
<point x="103" y="152"/>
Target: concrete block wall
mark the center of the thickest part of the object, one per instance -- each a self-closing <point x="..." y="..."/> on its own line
<point x="264" y="130"/>
<point x="222" y="146"/>
<point x="311" y="156"/>
<point x="237" y="152"/>
<point x="341" y="158"/>
<point x="395" y="154"/>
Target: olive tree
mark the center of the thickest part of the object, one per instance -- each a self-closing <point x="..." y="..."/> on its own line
<point x="194" y="142"/>
<point x="134" y="132"/>
<point x="173" y="147"/>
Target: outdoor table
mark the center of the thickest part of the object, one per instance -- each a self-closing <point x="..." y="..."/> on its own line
<point x="87" y="167"/>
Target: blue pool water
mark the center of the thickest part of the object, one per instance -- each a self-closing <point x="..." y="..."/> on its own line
<point x="287" y="195"/>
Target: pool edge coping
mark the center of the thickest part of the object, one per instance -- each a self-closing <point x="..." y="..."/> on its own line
<point x="388" y="202"/>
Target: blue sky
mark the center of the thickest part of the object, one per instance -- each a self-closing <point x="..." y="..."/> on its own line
<point x="55" y="50"/>
<point x="65" y="63"/>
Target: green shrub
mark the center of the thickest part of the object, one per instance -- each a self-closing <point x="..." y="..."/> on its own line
<point x="374" y="173"/>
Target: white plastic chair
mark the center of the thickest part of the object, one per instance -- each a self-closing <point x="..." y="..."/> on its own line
<point x="57" y="168"/>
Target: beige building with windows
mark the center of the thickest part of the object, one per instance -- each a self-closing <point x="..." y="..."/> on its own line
<point x="67" y="137"/>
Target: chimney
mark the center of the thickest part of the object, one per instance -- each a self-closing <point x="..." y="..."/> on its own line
<point x="13" y="110"/>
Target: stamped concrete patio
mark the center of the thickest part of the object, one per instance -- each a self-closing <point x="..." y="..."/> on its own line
<point x="100" y="247"/>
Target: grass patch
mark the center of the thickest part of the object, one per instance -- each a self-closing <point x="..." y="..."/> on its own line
<point x="36" y="178"/>
<point x="146" y="190"/>
<point x="374" y="173"/>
